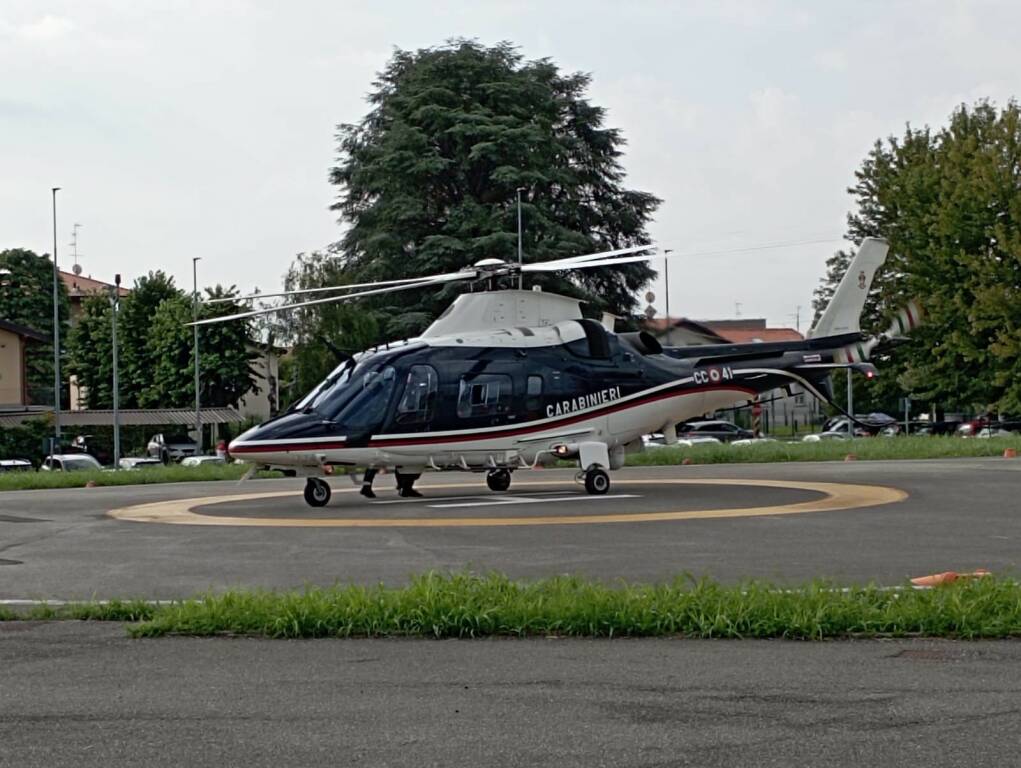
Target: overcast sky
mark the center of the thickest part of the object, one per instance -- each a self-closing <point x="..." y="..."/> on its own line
<point x="206" y="128"/>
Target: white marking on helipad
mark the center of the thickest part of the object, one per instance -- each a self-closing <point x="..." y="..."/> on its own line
<point x="504" y="501"/>
<point x="485" y="497"/>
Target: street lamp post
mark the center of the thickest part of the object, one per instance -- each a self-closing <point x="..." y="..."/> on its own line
<point x="520" y="249"/>
<point x="666" y="284"/>
<point x="115" y="301"/>
<point x="195" y="316"/>
<point x="56" y="326"/>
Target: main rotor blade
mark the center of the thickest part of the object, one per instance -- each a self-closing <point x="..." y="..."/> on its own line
<point x="302" y="291"/>
<point x="600" y="255"/>
<point x="556" y="266"/>
<point x="434" y="280"/>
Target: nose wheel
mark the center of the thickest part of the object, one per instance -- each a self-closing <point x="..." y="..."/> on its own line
<point x="317" y="492"/>
<point x="498" y="479"/>
<point x="597" y="482"/>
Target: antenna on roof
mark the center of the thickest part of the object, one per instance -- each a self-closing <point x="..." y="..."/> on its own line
<point x="77" y="268"/>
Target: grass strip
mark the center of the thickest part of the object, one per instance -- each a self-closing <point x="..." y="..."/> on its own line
<point x="24" y="481"/>
<point x="866" y="449"/>
<point x="465" y="605"/>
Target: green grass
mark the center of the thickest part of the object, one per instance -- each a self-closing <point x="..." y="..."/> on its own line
<point x="22" y="481"/>
<point x="868" y="448"/>
<point x="874" y="448"/>
<point x="465" y="605"/>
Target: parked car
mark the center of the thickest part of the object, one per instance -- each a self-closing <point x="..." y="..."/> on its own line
<point x="656" y="440"/>
<point x="70" y="462"/>
<point x="87" y="444"/>
<point x="198" y="461"/>
<point x="171" y="447"/>
<point x="136" y="462"/>
<point x="724" y="431"/>
<point x="16" y="465"/>
<point x="815" y="438"/>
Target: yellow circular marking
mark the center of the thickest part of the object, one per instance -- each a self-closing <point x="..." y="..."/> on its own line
<point x="836" y="496"/>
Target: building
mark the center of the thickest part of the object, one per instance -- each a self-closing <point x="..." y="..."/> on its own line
<point x="263" y="405"/>
<point x="80" y="287"/>
<point x="13" y="379"/>
<point x="781" y="410"/>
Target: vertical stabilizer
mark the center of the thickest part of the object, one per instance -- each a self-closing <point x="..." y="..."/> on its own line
<point x="844" y="310"/>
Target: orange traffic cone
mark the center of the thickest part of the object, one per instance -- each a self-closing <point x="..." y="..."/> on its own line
<point x="947" y="577"/>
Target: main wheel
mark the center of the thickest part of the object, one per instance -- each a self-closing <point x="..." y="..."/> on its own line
<point x="317" y="492"/>
<point x="498" y="479"/>
<point x="597" y="482"/>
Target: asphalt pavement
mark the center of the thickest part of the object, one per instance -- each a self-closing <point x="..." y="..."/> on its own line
<point x="958" y="515"/>
<point x="84" y="695"/>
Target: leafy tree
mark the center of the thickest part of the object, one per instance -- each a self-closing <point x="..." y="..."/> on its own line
<point x="138" y="359"/>
<point x="949" y="202"/>
<point x="26" y="298"/>
<point x="321" y="335"/>
<point x="225" y="359"/>
<point x="427" y="180"/>
<point x="90" y="352"/>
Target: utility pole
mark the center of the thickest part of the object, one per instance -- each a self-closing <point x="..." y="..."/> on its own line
<point x="666" y="283"/>
<point x="850" y="402"/>
<point x="521" y="276"/>
<point x="115" y="301"/>
<point x="195" y="316"/>
<point x="56" y="327"/>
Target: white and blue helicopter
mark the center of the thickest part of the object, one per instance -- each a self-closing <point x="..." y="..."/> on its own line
<point x="508" y="379"/>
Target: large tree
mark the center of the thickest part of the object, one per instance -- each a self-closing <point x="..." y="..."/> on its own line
<point x="428" y="178"/>
<point x="949" y="202"/>
<point x="90" y="356"/>
<point x="322" y="335"/>
<point x="138" y="358"/>
<point x="26" y="298"/>
<point x="225" y="355"/>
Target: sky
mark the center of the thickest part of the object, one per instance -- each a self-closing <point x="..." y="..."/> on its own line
<point x="207" y="127"/>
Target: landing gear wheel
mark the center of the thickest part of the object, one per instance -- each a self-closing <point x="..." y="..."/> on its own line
<point x="317" y="492"/>
<point x="498" y="479"/>
<point x="597" y="482"/>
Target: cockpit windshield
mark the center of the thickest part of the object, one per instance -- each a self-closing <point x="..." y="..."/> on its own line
<point x="354" y="396"/>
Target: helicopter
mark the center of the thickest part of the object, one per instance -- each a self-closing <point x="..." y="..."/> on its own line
<point x="509" y="379"/>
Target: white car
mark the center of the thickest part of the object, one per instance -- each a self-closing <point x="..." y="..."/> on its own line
<point x="198" y="461"/>
<point x="15" y="465"/>
<point x="656" y="440"/>
<point x="825" y="436"/>
<point x="130" y="462"/>
<point x="70" y="462"/>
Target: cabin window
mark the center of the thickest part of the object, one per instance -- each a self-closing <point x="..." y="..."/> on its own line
<point x="484" y="395"/>
<point x="419" y="401"/>
<point x="533" y="396"/>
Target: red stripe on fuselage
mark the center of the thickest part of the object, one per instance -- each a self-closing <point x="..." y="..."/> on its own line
<point x="382" y="442"/>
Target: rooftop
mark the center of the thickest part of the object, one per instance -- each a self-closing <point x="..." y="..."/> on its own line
<point x="80" y="285"/>
<point x="23" y="331"/>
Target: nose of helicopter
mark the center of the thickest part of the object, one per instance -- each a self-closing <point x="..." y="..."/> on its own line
<point x="276" y="439"/>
